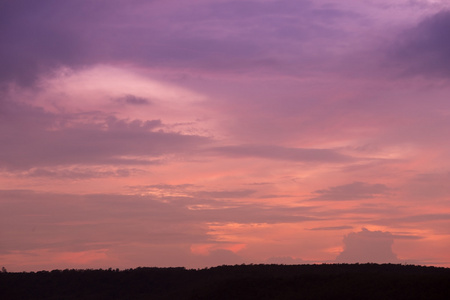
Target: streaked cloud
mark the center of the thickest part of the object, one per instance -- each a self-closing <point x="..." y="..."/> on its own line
<point x="331" y="228"/>
<point x="352" y="191"/>
<point x="283" y="153"/>
<point x="37" y="138"/>
<point x="133" y="100"/>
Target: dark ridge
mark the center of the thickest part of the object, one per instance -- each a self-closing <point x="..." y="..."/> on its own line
<point x="326" y="281"/>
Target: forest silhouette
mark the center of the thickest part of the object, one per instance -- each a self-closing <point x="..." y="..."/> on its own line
<point x="326" y="281"/>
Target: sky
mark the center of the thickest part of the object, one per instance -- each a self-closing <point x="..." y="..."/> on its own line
<point x="201" y="133"/>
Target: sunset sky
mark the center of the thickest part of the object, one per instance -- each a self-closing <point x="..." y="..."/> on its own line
<point x="206" y="132"/>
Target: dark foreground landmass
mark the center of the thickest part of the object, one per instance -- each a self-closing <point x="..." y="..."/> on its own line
<point x="328" y="281"/>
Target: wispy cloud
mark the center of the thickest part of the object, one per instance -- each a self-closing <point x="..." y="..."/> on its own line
<point x="331" y="228"/>
<point x="352" y="191"/>
<point x="283" y="153"/>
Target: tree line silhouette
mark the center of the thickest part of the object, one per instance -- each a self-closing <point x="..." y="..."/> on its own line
<point x="326" y="281"/>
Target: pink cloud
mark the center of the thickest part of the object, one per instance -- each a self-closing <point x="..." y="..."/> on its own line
<point x="368" y="246"/>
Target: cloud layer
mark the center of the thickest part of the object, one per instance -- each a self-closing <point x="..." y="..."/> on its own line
<point x="210" y="132"/>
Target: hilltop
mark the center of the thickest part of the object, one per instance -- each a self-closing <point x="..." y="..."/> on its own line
<point x="326" y="281"/>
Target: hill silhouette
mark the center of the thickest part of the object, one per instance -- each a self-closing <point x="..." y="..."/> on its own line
<point x="327" y="281"/>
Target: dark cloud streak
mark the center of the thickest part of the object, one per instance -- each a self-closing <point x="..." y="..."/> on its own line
<point x="283" y="153"/>
<point x="37" y="38"/>
<point x="352" y="191"/>
<point x="425" y="49"/>
<point x="331" y="228"/>
<point x="32" y="137"/>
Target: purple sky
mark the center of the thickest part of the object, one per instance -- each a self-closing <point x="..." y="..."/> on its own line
<point x="199" y="133"/>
